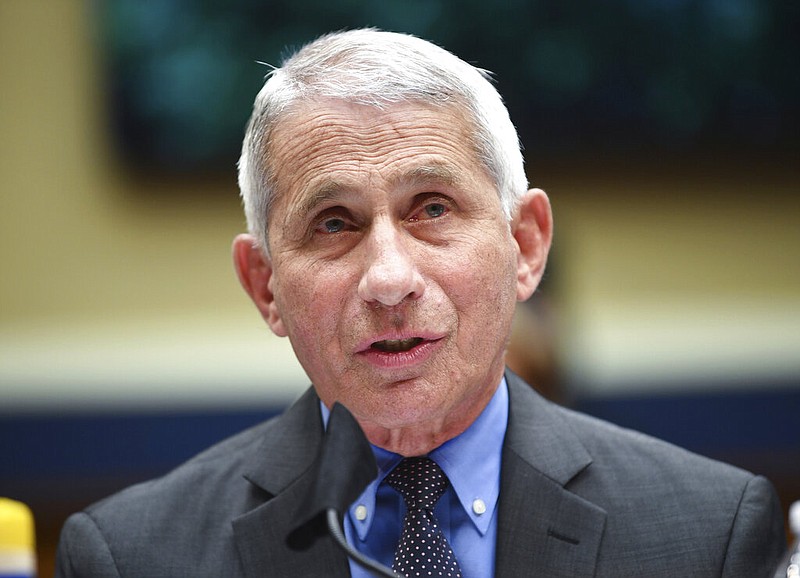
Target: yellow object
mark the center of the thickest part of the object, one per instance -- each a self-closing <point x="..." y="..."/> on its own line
<point x="16" y="525"/>
<point x="17" y="539"/>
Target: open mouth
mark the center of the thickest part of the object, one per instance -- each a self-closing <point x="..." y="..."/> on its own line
<point x="397" y="345"/>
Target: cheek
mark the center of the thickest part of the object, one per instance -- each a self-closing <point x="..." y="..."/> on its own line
<point x="487" y="272"/>
<point x="484" y="292"/>
<point x="312" y="300"/>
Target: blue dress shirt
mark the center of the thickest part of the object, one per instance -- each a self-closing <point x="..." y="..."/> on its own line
<point x="467" y="512"/>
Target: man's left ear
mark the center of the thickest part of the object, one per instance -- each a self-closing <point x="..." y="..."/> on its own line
<point x="532" y="228"/>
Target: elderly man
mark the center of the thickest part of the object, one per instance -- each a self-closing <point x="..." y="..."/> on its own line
<point x="391" y="232"/>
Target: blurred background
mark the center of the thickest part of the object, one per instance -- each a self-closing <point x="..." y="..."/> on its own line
<point x="666" y="133"/>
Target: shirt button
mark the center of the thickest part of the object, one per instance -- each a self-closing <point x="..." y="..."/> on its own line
<point x="361" y="512"/>
<point x="478" y="506"/>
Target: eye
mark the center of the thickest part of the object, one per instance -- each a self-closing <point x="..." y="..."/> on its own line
<point x="430" y="210"/>
<point x="434" y="210"/>
<point x="334" y="221"/>
<point x="332" y="225"/>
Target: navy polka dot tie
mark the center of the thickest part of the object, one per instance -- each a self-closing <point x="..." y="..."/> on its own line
<point x="423" y="550"/>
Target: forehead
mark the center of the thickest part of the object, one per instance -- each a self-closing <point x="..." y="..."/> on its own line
<point x="325" y="146"/>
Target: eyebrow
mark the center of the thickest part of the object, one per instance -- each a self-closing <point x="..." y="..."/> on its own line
<point x="432" y="173"/>
<point x="329" y="189"/>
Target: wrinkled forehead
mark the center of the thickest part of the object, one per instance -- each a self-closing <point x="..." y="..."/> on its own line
<point x="297" y="140"/>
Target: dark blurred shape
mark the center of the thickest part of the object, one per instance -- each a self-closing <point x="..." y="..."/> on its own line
<point x="582" y="79"/>
<point x="533" y="350"/>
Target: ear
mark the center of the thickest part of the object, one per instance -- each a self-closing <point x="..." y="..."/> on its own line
<point x="255" y="274"/>
<point x="532" y="228"/>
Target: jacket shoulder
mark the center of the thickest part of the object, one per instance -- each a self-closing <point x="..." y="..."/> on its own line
<point x="181" y="522"/>
<point x="662" y="503"/>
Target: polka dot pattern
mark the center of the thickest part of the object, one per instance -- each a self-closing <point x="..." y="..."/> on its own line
<point x="423" y="550"/>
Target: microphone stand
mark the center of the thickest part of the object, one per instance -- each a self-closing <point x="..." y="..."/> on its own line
<point x="337" y="534"/>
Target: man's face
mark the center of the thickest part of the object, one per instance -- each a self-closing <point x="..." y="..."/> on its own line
<point x="392" y="268"/>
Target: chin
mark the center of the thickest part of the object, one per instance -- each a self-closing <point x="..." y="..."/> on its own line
<point x="395" y="414"/>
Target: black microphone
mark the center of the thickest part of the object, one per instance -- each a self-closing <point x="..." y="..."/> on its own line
<point x="344" y="466"/>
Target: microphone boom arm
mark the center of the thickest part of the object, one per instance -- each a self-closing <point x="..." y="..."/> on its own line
<point x="335" y="530"/>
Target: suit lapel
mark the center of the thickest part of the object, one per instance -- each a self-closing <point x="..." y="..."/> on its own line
<point x="281" y="475"/>
<point x="544" y="529"/>
<point x="261" y="539"/>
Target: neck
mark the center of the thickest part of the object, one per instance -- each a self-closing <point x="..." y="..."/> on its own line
<point x="409" y="441"/>
<point x="421" y="438"/>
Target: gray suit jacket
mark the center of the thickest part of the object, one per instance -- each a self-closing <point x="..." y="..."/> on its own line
<point x="579" y="497"/>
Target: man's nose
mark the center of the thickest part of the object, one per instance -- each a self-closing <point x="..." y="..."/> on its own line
<point x="390" y="273"/>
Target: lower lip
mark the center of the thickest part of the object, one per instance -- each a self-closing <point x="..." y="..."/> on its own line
<point x="401" y="359"/>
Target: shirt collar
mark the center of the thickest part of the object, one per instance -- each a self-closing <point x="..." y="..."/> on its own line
<point x="471" y="462"/>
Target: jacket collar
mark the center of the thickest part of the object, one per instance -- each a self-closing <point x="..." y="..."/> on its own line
<point x="281" y="472"/>
<point x="289" y="446"/>
<point x="543" y="528"/>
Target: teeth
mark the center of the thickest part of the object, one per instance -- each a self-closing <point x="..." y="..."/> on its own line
<point x="394" y="345"/>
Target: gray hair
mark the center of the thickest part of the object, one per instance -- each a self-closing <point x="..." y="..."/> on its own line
<point x="378" y="68"/>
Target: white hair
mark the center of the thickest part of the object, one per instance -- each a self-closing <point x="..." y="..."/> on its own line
<point x="378" y="68"/>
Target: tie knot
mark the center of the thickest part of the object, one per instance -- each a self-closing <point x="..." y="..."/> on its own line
<point x="420" y="481"/>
